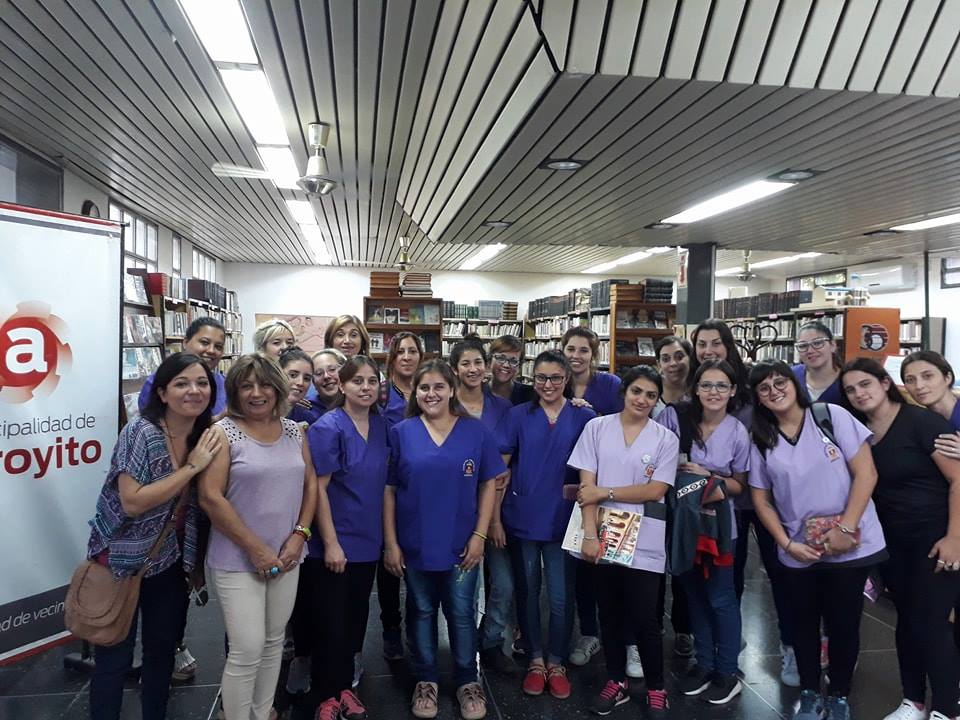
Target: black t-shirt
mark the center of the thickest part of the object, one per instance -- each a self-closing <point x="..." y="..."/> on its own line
<point x="912" y="495"/>
<point x="522" y="393"/>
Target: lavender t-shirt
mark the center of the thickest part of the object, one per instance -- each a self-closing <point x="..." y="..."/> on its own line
<point x="810" y="478"/>
<point x="265" y="487"/>
<point x="725" y="452"/>
<point x="601" y="449"/>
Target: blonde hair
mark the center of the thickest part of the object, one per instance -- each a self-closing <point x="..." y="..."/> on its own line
<point x="267" y="331"/>
<point x="339" y="322"/>
<point x="266" y="370"/>
<point x="337" y="355"/>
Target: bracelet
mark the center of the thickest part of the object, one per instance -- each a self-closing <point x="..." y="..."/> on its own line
<point x="479" y="534"/>
<point x="589" y="537"/>
<point x="303" y="532"/>
<point x="844" y="529"/>
<point x="786" y="547"/>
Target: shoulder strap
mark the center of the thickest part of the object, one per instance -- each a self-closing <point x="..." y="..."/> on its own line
<point x="821" y="416"/>
<point x="167" y="527"/>
<point x="686" y="429"/>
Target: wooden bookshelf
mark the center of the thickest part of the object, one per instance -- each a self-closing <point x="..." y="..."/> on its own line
<point x="379" y="315"/>
<point x="633" y="322"/>
<point x="141" y="341"/>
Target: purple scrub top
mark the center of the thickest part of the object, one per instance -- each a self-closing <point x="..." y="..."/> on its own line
<point x="601" y="450"/>
<point x="219" y="403"/>
<point x="832" y="394"/>
<point x="811" y="479"/>
<point x="955" y="417"/>
<point x="395" y="409"/>
<point x="603" y="393"/>
<point x="533" y="507"/>
<point x="437" y="488"/>
<point x="494" y="413"/>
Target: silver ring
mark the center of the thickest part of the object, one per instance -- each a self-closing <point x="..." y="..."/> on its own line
<point x="940" y="562"/>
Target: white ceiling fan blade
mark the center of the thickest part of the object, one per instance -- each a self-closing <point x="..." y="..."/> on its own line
<point x="238" y="171"/>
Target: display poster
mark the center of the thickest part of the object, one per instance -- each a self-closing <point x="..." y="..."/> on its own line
<point x="871" y="332"/>
<point x="308" y="329"/>
<point x="59" y="385"/>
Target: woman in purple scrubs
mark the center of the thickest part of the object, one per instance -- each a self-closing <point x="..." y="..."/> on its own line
<point x="819" y="368"/>
<point x="403" y="359"/>
<point x="918" y="500"/>
<point x="350" y="456"/>
<point x="469" y="361"/>
<point x="720" y="450"/>
<point x="538" y="439"/>
<point x="800" y="478"/>
<point x="298" y="367"/>
<point x="626" y="461"/>
<point x="324" y="392"/>
<point x="506" y="355"/>
<point x="436" y="517"/>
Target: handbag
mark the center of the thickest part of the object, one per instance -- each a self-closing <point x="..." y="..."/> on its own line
<point x="815" y="530"/>
<point x="99" y="608"/>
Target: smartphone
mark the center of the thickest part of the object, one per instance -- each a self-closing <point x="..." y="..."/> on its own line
<point x="570" y="492"/>
<point x="683" y="458"/>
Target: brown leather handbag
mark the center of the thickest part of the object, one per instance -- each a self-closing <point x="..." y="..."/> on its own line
<point x="99" y="608"/>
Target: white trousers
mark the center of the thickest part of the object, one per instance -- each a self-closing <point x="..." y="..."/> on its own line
<point x="255" y="612"/>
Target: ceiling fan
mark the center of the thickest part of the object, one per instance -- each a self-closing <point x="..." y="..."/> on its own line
<point x="316" y="181"/>
<point x="403" y="263"/>
<point x="746" y="273"/>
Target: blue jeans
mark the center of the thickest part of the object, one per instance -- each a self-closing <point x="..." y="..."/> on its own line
<point x="714" y="618"/>
<point x="453" y="591"/>
<point x="560" y="569"/>
<point x="499" y="598"/>
<point x="162" y="607"/>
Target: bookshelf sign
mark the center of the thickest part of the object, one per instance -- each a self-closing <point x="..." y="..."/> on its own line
<point x="59" y="363"/>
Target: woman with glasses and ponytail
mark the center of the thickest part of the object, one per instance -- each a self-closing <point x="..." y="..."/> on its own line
<point x="819" y="367"/>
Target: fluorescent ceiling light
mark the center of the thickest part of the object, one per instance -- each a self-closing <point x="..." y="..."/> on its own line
<point x="601" y="268"/>
<point x="256" y="105"/>
<point x="222" y="29"/>
<point x="730" y="200"/>
<point x="768" y="263"/>
<point x="279" y="162"/>
<point x="930" y="223"/>
<point x="660" y="249"/>
<point x="482" y="256"/>
<point x="302" y="212"/>
<point x="626" y="259"/>
<point x="315" y="239"/>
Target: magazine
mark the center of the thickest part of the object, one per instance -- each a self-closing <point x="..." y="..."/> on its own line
<point x="617" y="530"/>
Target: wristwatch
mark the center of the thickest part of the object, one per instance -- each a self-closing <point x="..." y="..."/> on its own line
<point x="610" y="494"/>
<point x="845" y="530"/>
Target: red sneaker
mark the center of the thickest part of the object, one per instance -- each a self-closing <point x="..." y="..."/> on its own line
<point x="350" y="707"/>
<point x="536" y="680"/>
<point x="557" y="682"/>
<point x="328" y="710"/>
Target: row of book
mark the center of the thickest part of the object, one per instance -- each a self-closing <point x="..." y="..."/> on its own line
<point x="427" y="314"/>
<point x="600" y="324"/>
<point x="134" y="290"/>
<point x="657" y="291"/>
<point x="138" y="363"/>
<point x="380" y="341"/>
<point x="762" y="304"/>
<point x="641" y="347"/>
<point x="911" y="331"/>
<point x="175" y="323"/>
<point x="639" y="318"/>
<point x="554" y="327"/>
<point x="416" y="284"/>
<point x="777" y="352"/>
<point x="582" y="300"/>
<point x="462" y="328"/>
<point x="142" y="330"/>
<point x="483" y="310"/>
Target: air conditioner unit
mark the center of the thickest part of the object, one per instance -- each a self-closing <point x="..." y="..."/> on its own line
<point x="883" y="278"/>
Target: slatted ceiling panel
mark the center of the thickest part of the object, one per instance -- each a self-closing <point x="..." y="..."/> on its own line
<point x="942" y="41"/>
<point x="586" y="36"/>
<point x="720" y="37"/>
<point x="688" y="37"/>
<point x="621" y="37"/>
<point x="783" y="41"/>
<point x="556" y="21"/>
<point x="907" y="46"/>
<point x="949" y="82"/>
<point x="755" y="30"/>
<point x="884" y="26"/>
<point x="653" y="38"/>
<point x="845" y="45"/>
<point x="818" y="36"/>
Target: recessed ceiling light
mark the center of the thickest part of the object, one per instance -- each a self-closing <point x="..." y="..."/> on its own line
<point x="302" y="212"/>
<point x="930" y="223"/>
<point x="794" y="175"/>
<point x="881" y="233"/>
<point x="729" y="200"/>
<point x="496" y="224"/>
<point x="315" y="239"/>
<point x="567" y="164"/>
<point x="660" y="226"/>
<point x="222" y="29"/>
<point x="482" y="256"/>
<point x="256" y="105"/>
<point x="278" y="160"/>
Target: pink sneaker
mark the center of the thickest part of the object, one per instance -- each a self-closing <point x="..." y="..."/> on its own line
<point x="350" y="707"/>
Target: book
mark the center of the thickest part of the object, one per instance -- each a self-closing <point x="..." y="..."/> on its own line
<point x="376" y="342"/>
<point x="375" y="314"/>
<point x="616" y="528"/>
<point x="645" y="347"/>
<point x="431" y="315"/>
<point x="404" y="317"/>
<point x="659" y="318"/>
<point x="415" y="315"/>
<point x="134" y="289"/>
<point x="131" y="405"/>
<point x="634" y="318"/>
<point x="391" y="315"/>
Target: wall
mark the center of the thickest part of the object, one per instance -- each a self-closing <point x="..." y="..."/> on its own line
<point x="294" y="289"/>
<point x="76" y="190"/>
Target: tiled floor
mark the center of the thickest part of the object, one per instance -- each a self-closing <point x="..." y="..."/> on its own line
<point x="40" y="689"/>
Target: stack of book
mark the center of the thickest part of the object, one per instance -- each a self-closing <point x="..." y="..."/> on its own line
<point x="509" y="311"/>
<point x="416" y="284"/>
<point x="490" y="309"/>
<point x="600" y="293"/>
<point x="384" y="284"/>
<point x="658" y="291"/>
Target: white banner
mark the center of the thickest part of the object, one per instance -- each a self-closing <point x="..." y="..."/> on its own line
<point x="59" y="389"/>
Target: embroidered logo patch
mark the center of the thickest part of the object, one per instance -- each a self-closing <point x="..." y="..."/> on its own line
<point x="649" y="471"/>
<point x="833" y="453"/>
<point x="468" y="467"/>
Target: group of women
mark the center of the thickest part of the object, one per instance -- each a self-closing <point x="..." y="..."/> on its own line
<point x="320" y="477"/>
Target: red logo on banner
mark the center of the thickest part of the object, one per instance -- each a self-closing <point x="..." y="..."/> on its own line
<point x="33" y="354"/>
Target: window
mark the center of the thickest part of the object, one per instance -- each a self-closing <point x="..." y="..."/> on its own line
<point x="177" y="259"/>
<point x="27" y="179"/>
<point x="204" y="266"/>
<point x="950" y="272"/>
<point x="139" y="239"/>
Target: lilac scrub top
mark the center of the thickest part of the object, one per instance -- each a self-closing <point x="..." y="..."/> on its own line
<point x="533" y="507"/>
<point x="811" y="479"/>
<point x="265" y="488"/>
<point x="358" y="474"/>
<point x="833" y="393"/>
<point x="219" y="403"/>
<point x="725" y="452"/>
<point x="437" y="488"/>
<point x="603" y="393"/>
<point x="601" y="449"/>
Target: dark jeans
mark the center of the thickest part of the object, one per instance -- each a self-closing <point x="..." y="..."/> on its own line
<point x="162" y="607"/>
<point x="388" y="594"/>
<point x="339" y="607"/>
<point x="627" y="599"/>
<point x="679" y="612"/>
<point x="586" y="594"/>
<point x="301" y="622"/>
<point x="453" y="591"/>
<point x="715" y="617"/>
<point x="926" y="647"/>
<point x="834" y="595"/>
<point x="530" y="560"/>
<point x="772" y="565"/>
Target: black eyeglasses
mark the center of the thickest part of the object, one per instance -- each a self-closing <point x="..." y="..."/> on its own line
<point x="817" y="344"/>
<point x="552" y="379"/>
<point x="720" y="387"/>
<point x="506" y="360"/>
<point x="778" y="384"/>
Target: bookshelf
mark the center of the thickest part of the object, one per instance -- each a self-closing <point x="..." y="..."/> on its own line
<point x="385" y="317"/>
<point x="911" y="335"/>
<point x="635" y="326"/>
<point x="455" y="329"/>
<point x="141" y="343"/>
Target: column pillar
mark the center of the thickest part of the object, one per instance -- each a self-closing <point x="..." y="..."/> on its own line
<point x="695" y="301"/>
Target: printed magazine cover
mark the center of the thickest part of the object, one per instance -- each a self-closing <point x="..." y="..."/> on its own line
<point x="617" y="530"/>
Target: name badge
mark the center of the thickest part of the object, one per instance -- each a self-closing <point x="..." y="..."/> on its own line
<point x="649" y="471"/>
<point x="832" y="452"/>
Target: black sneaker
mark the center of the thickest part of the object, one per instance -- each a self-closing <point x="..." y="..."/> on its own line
<point x="695" y="681"/>
<point x="494" y="659"/>
<point x="723" y="689"/>
<point x="392" y="644"/>
<point x="613" y="694"/>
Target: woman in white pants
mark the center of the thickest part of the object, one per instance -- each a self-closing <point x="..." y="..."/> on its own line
<point x="260" y="499"/>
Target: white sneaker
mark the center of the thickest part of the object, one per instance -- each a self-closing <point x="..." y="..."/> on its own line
<point x="789" y="674"/>
<point x="357" y="670"/>
<point x="908" y="710"/>
<point x="298" y="676"/>
<point x="937" y="715"/>
<point x="585" y="648"/>
<point x="184" y="665"/>
<point x="634" y="668"/>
